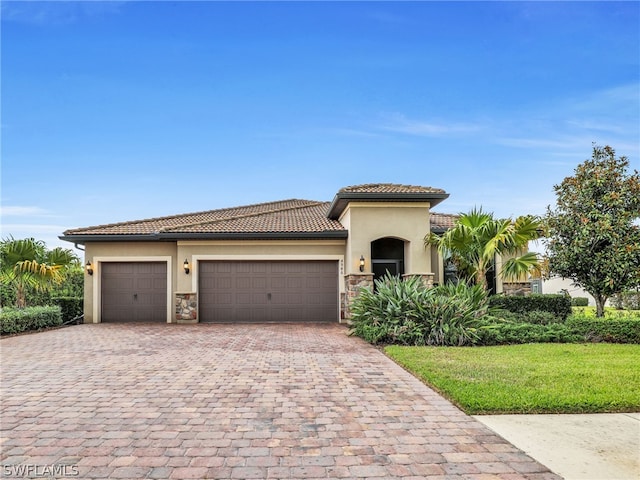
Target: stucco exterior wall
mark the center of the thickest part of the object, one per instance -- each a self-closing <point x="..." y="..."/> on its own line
<point x="99" y="252"/>
<point x="369" y="221"/>
<point x="195" y="251"/>
<point x="437" y="265"/>
<point x="558" y="284"/>
<point x="175" y="253"/>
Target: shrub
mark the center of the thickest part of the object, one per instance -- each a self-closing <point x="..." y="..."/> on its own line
<point x="580" y="302"/>
<point x="540" y="317"/>
<point x="405" y="312"/>
<point x="16" y="320"/>
<point x="608" y="329"/>
<point x="537" y="317"/>
<point x="71" y="307"/>
<point x="453" y="314"/>
<point x="627" y="300"/>
<point x="495" y="332"/>
<point x="557" y="304"/>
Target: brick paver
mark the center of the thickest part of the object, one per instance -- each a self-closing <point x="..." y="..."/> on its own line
<point x="232" y="401"/>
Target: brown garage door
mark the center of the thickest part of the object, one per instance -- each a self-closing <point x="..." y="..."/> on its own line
<point x="269" y="291"/>
<point x="134" y="292"/>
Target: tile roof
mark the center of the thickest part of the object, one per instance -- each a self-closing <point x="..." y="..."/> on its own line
<point x="441" y="222"/>
<point x="281" y="219"/>
<point x="389" y="188"/>
<point x="384" y="192"/>
<point x="286" y="216"/>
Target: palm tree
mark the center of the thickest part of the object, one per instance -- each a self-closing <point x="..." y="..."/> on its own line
<point x="27" y="264"/>
<point x="477" y="239"/>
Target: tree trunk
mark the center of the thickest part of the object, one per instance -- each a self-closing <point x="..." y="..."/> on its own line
<point x="600" y="301"/>
<point x="21" y="300"/>
<point x="481" y="279"/>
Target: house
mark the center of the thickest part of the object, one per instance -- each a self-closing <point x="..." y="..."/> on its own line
<point x="558" y="284"/>
<point x="289" y="260"/>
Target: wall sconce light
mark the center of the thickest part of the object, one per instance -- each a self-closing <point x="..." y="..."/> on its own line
<point x="362" y="263"/>
<point x="185" y="265"/>
<point x="89" y="268"/>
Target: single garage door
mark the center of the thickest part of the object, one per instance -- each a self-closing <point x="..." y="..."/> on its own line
<point x="134" y="292"/>
<point x="268" y="291"/>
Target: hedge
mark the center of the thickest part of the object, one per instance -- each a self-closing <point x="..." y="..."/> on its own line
<point x="580" y="301"/>
<point x="516" y="333"/>
<point x="558" y="305"/>
<point x="613" y="330"/>
<point x="16" y="320"/>
<point x="71" y="307"/>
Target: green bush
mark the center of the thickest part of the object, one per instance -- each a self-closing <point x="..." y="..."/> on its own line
<point x="405" y="312"/>
<point x="537" y="317"/>
<point x="579" y="302"/>
<point x="16" y="320"/>
<point x="557" y="304"/>
<point x="627" y="300"/>
<point x="496" y="332"/>
<point x="71" y="306"/>
<point x="612" y="330"/>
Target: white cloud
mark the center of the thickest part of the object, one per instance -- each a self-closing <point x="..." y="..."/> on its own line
<point x="21" y="211"/>
<point x="401" y="124"/>
<point x="48" y="233"/>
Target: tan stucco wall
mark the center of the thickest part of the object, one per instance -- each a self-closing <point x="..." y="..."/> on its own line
<point x="369" y="221"/>
<point x="437" y="265"/>
<point x="175" y="254"/>
<point x="195" y="251"/>
<point x="97" y="253"/>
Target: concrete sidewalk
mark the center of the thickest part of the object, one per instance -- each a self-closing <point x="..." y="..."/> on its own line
<point x="577" y="447"/>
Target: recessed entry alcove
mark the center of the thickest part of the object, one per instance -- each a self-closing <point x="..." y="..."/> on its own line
<point x="387" y="256"/>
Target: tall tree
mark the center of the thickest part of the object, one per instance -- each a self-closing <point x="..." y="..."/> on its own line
<point x="27" y="263"/>
<point x="593" y="235"/>
<point x="477" y="238"/>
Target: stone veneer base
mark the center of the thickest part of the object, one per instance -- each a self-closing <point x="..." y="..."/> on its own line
<point x="186" y="308"/>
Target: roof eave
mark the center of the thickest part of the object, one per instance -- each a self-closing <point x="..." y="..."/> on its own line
<point x="81" y="239"/>
<point x="167" y="237"/>
<point x="328" y="234"/>
<point x="342" y="199"/>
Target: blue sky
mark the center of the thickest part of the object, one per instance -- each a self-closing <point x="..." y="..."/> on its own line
<point x="114" y="111"/>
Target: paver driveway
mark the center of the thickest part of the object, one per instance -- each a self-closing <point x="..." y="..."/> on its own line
<point x="232" y="401"/>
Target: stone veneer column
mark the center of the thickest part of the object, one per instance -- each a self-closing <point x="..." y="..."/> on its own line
<point x="186" y="308"/>
<point x="516" y="288"/>
<point x="354" y="282"/>
<point x="427" y="278"/>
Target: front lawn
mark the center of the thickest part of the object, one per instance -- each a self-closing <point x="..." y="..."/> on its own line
<point x="530" y="378"/>
<point x="609" y="312"/>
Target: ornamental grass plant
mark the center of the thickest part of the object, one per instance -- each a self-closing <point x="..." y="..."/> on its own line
<point x="405" y="312"/>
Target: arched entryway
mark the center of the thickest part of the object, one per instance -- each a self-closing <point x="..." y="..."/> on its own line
<point x="387" y="256"/>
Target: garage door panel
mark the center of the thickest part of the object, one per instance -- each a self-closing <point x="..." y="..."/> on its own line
<point x="134" y="292"/>
<point x="274" y="291"/>
<point x="243" y="283"/>
<point x="278" y="283"/>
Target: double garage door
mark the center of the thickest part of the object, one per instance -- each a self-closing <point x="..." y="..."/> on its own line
<point x="229" y="291"/>
<point x="268" y="291"/>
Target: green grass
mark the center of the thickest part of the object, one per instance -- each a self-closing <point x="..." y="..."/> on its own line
<point x="609" y="312"/>
<point x="531" y="378"/>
